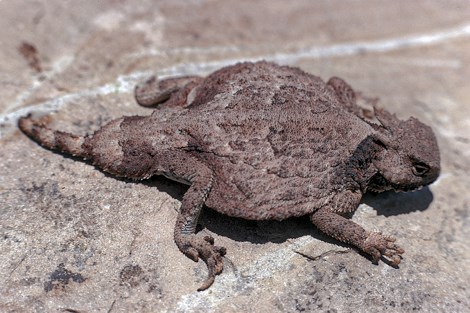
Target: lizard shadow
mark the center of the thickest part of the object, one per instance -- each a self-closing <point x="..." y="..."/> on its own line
<point x="386" y="203"/>
<point x="391" y="203"/>
<point x="236" y="228"/>
<point x="259" y="232"/>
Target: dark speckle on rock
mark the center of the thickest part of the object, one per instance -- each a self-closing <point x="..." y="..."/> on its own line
<point x="131" y="275"/>
<point x="61" y="277"/>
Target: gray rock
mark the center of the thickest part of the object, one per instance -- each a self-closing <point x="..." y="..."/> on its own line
<point x="64" y="229"/>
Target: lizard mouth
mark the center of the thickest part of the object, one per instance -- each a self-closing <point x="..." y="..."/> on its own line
<point x="407" y="188"/>
<point x="378" y="183"/>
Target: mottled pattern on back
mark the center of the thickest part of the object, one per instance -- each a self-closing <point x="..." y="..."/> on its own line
<point x="277" y="155"/>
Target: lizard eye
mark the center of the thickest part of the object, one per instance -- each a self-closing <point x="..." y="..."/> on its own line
<point x="420" y="169"/>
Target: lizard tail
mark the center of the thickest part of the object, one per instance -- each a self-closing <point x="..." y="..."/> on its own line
<point x="53" y="139"/>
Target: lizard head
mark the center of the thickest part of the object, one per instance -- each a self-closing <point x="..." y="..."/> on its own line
<point x="409" y="156"/>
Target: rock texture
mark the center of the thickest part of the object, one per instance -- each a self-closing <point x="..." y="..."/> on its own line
<point x="76" y="240"/>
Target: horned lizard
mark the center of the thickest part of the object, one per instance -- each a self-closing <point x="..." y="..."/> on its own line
<point x="260" y="141"/>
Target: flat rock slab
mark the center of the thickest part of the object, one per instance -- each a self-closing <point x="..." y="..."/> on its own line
<point x="74" y="239"/>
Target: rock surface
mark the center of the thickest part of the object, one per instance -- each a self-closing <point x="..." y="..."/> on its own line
<point x="76" y="240"/>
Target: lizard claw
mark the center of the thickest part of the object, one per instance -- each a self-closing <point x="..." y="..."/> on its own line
<point x="196" y="247"/>
<point x="378" y="246"/>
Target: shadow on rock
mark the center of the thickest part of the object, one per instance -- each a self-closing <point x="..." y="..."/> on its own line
<point x="395" y="203"/>
<point x="259" y="232"/>
<point x="239" y="229"/>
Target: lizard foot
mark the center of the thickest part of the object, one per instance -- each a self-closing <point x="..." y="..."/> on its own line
<point x="378" y="245"/>
<point x="195" y="247"/>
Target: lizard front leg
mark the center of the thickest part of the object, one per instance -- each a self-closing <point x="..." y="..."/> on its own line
<point x="328" y="220"/>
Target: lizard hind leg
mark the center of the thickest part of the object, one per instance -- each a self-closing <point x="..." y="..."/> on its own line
<point x="153" y="91"/>
<point x="194" y="246"/>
